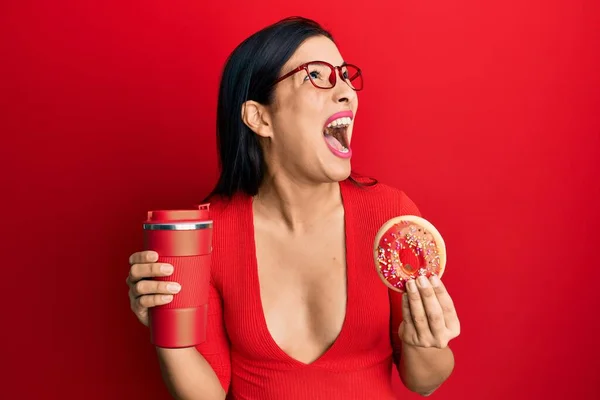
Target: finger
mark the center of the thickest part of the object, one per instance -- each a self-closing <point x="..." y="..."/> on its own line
<point x="153" y="300"/>
<point x="417" y="311"/>
<point x="433" y="309"/>
<point x="143" y="257"/>
<point x="406" y="316"/>
<point x="141" y="271"/>
<point x="446" y="303"/>
<point x="408" y="332"/>
<point x="145" y="287"/>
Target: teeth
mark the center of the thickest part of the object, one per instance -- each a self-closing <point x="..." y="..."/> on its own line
<point x="340" y="122"/>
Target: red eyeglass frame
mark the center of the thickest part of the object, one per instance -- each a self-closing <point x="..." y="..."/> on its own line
<point x="335" y="71"/>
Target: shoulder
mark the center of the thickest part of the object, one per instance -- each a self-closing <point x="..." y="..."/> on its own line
<point x="369" y="193"/>
<point x="232" y="219"/>
<point x="231" y="237"/>
<point x="224" y="208"/>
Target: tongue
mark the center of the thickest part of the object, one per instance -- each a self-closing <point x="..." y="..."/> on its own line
<point x="333" y="142"/>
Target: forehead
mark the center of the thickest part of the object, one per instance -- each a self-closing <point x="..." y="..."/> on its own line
<point x="318" y="48"/>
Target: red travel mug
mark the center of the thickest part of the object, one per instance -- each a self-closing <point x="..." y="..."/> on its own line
<point x="182" y="238"/>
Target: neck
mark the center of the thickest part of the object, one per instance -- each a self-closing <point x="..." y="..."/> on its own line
<point x="297" y="205"/>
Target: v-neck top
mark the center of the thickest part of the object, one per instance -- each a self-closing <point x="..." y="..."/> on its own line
<point x="239" y="346"/>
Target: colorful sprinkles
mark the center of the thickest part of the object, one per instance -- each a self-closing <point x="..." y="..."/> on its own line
<point x="407" y="247"/>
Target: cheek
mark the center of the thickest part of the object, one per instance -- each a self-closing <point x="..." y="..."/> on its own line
<point x="305" y="115"/>
<point x="300" y="119"/>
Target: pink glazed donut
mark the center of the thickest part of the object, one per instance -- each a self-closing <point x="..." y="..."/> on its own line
<point x="406" y="247"/>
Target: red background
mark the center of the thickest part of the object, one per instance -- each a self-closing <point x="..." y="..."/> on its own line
<point x="485" y="113"/>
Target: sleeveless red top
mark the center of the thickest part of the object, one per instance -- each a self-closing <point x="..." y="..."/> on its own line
<point x="239" y="347"/>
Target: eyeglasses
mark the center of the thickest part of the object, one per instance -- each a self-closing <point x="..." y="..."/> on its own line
<point x="323" y="75"/>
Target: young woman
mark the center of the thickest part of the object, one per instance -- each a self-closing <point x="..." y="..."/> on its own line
<point x="296" y="309"/>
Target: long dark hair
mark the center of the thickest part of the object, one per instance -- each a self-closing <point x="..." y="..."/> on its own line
<point x="249" y="74"/>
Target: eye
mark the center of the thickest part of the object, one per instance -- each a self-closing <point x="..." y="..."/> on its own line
<point x="313" y="75"/>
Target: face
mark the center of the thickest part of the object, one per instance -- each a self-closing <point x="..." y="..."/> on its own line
<point x="305" y="131"/>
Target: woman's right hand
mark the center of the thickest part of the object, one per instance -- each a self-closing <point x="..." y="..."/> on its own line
<point x="144" y="292"/>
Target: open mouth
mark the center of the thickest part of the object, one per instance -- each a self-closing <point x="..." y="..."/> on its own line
<point x="336" y="134"/>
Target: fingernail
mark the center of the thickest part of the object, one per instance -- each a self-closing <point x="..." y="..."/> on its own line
<point x="152" y="257"/>
<point x="412" y="286"/>
<point x="435" y="281"/>
<point x="166" y="269"/>
<point x="173" y="287"/>
<point x="167" y="297"/>
<point x="423" y="281"/>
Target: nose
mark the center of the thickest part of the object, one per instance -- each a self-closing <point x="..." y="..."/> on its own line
<point x="342" y="92"/>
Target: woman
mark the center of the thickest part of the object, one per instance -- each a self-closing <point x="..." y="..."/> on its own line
<point x="296" y="310"/>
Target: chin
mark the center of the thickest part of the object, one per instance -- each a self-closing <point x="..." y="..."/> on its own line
<point x="339" y="172"/>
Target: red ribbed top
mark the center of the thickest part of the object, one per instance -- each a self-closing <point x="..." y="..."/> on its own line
<point x="239" y="347"/>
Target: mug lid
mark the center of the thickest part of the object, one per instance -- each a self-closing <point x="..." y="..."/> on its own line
<point x="181" y="219"/>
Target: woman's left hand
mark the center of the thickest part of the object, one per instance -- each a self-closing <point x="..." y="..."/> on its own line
<point x="429" y="316"/>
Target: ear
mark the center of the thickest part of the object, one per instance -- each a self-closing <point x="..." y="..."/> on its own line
<point x="256" y="117"/>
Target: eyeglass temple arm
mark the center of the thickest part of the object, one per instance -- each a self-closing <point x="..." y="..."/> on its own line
<point x="292" y="72"/>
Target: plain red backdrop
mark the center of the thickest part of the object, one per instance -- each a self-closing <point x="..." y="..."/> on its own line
<point x="485" y="113"/>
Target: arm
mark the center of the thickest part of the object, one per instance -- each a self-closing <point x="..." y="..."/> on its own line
<point x="188" y="375"/>
<point x="203" y="372"/>
<point x="422" y="370"/>
<point x="423" y="321"/>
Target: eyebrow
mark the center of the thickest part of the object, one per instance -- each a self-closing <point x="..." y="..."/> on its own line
<point x="304" y="62"/>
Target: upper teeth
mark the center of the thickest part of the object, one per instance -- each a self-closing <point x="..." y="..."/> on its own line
<point x="340" y="122"/>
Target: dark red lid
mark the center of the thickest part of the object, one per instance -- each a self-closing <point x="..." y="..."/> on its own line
<point x="200" y="213"/>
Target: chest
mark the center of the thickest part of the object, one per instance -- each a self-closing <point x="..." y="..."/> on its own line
<point x="303" y="286"/>
<point x="307" y="271"/>
<point x="304" y="299"/>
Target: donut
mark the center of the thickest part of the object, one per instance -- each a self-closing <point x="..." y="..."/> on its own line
<point x="406" y="247"/>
